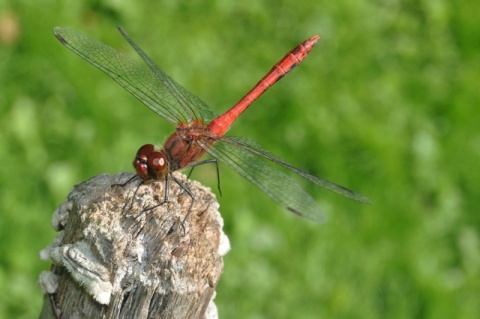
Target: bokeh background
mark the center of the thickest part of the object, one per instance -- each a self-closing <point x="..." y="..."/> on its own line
<point x="387" y="104"/>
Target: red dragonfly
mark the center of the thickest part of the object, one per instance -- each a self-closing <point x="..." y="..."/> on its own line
<point x="198" y="129"/>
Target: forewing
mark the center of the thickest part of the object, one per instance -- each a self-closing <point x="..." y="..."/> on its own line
<point x="147" y="83"/>
<point x="191" y="104"/>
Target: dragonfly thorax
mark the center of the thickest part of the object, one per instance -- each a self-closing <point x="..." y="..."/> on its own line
<point x="182" y="147"/>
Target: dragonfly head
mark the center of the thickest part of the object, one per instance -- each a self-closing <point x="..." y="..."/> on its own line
<point x="150" y="164"/>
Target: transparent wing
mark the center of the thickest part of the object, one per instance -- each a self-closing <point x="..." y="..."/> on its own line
<point x="247" y="158"/>
<point x="147" y="82"/>
<point x="255" y="148"/>
<point x="279" y="186"/>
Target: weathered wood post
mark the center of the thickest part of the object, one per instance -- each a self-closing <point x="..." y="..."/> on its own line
<point x="120" y="254"/>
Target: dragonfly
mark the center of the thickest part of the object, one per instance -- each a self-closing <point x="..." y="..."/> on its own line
<point x="199" y="131"/>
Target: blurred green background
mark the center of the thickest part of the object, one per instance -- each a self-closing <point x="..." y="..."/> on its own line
<point x="386" y="104"/>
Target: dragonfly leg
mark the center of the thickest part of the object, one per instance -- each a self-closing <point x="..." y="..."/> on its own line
<point x="124" y="209"/>
<point x="207" y="161"/>
<point x="165" y="198"/>
<point x="174" y="227"/>
<point x="126" y="183"/>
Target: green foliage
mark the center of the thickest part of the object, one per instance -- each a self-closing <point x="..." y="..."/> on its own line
<point x="387" y="104"/>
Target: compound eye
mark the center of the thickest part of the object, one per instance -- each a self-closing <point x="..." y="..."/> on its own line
<point x="141" y="169"/>
<point x="143" y="151"/>
<point x="140" y="161"/>
<point x="157" y="165"/>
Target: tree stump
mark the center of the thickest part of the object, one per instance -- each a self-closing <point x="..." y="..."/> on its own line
<point x="122" y="253"/>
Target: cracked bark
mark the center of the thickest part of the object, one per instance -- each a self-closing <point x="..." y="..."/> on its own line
<point x="120" y="254"/>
